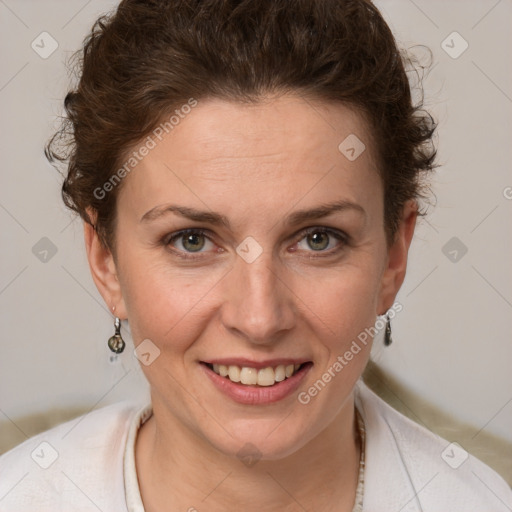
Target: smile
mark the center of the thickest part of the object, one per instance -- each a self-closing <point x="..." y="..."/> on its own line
<point x="256" y="383"/>
<point x="255" y="377"/>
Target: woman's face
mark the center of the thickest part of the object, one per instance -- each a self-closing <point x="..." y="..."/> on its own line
<point x="260" y="285"/>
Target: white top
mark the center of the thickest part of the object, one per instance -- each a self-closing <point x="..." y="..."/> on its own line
<point x="88" y="464"/>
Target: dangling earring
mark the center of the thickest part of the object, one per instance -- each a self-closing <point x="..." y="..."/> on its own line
<point x="116" y="342"/>
<point x="387" y="335"/>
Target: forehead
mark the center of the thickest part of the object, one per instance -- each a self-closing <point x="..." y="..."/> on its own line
<point x="275" y="152"/>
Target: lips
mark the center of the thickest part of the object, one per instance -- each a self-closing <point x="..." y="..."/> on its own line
<point x="261" y="380"/>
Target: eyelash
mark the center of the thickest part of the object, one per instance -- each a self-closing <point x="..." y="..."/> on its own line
<point x="338" y="235"/>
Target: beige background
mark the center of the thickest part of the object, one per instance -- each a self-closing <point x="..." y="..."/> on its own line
<point x="449" y="367"/>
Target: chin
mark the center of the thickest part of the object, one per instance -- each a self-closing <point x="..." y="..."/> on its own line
<point x="259" y="439"/>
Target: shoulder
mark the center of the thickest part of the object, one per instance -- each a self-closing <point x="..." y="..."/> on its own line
<point x="411" y="468"/>
<point x="79" y="462"/>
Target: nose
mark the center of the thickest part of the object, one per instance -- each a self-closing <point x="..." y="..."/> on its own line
<point x="259" y="305"/>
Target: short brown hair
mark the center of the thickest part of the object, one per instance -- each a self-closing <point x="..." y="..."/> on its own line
<point x="149" y="57"/>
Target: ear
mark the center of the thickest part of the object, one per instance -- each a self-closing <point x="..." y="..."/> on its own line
<point x="396" y="265"/>
<point x="103" y="269"/>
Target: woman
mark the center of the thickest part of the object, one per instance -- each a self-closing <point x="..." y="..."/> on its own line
<point x="249" y="174"/>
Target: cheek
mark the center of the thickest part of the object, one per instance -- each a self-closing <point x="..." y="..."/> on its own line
<point x="163" y="303"/>
<point x="346" y="313"/>
<point x="343" y="302"/>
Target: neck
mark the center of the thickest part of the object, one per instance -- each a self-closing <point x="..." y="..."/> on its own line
<point x="177" y="470"/>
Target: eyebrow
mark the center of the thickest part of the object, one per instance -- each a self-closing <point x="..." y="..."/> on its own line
<point x="217" y="219"/>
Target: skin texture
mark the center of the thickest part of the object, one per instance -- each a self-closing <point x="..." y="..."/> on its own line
<point x="256" y="164"/>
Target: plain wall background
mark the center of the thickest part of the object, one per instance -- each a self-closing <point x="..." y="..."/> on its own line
<point x="452" y="342"/>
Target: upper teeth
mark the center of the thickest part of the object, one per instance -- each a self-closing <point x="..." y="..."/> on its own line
<point x="251" y="376"/>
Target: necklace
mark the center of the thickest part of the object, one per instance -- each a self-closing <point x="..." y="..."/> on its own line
<point x="358" y="505"/>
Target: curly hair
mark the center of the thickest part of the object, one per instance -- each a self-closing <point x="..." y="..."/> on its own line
<point x="149" y="57"/>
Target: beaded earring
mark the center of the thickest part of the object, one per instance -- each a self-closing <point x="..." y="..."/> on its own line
<point x="116" y="342"/>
